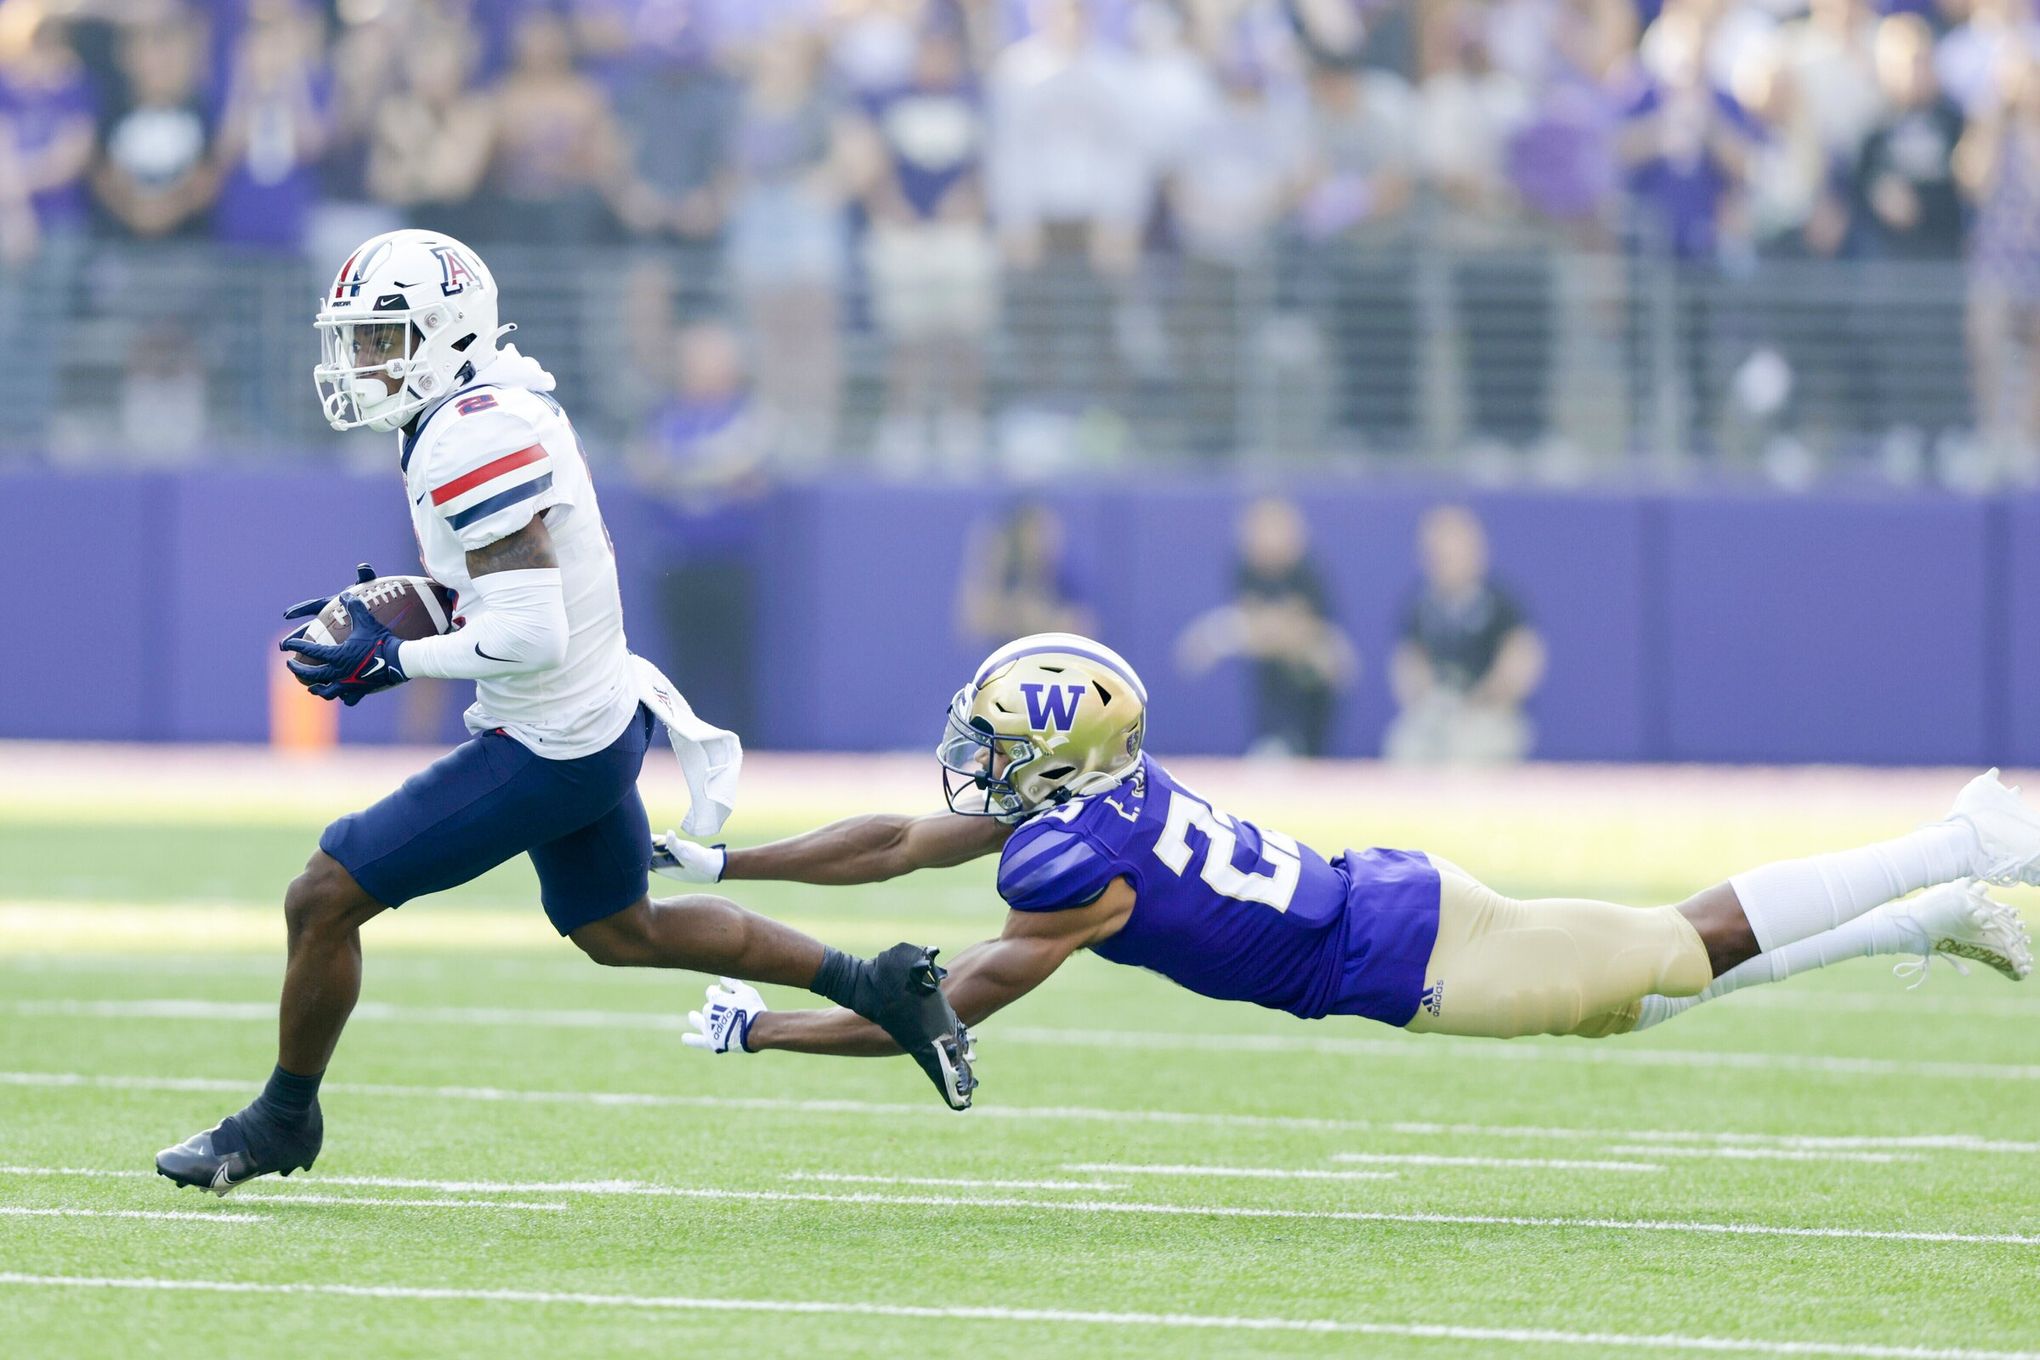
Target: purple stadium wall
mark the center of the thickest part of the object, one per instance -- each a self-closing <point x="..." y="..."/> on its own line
<point x="1876" y="629"/>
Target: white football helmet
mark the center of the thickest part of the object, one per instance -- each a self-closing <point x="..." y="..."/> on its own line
<point x="416" y="305"/>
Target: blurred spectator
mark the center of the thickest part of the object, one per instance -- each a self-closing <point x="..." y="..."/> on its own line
<point x="703" y="443"/>
<point x="47" y="101"/>
<point x="1468" y="658"/>
<point x="556" y="149"/>
<point x="1829" y="60"/>
<point x="1016" y="580"/>
<point x="1998" y="164"/>
<point x="1071" y="183"/>
<point x="1908" y="206"/>
<point x="1467" y="108"/>
<point x="432" y="136"/>
<point x="272" y="130"/>
<point x="702" y="452"/>
<point x="1467" y="112"/>
<point x="1790" y="382"/>
<point x="162" y="396"/>
<point x="155" y="177"/>
<point x="1686" y="143"/>
<point x="1379" y="34"/>
<point x="928" y="254"/>
<point x="1908" y="209"/>
<point x="788" y="243"/>
<point x="874" y="45"/>
<point x="21" y="241"/>
<point x="1358" y="189"/>
<point x="677" y="111"/>
<point x="364" y="60"/>
<point x="1973" y="59"/>
<point x="1561" y="160"/>
<point x="1238" y="178"/>
<point x="46" y="108"/>
<point x="1281" y="623"/>
<point x="1792" y="213"/>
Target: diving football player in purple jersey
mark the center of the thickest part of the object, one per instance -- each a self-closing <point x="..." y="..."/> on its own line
<point x="1102" y="849"/>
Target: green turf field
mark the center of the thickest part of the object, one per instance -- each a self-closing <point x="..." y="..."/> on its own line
<point x="521" y="1158"/>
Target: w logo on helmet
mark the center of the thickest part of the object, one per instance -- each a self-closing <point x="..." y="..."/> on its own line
<point x="1051" y="707"/>
<point x="456" y="270"/>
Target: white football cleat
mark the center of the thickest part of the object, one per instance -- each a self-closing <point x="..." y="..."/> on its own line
<point x="2007" y="831"/>
<point x="1963" y="921"/>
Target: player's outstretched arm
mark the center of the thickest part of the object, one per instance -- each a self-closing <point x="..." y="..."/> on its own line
<point x="870" y="849"/>
<point x="985" y="978"/>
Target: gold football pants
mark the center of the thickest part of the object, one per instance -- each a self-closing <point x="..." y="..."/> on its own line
<point x="1557" y="965"/>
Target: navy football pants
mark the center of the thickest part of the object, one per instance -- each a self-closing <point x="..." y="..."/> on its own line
<point x="490" y="799"/>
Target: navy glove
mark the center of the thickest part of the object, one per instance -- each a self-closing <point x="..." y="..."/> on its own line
<point x="352" y="670"/>
<point x="310" y="609"/>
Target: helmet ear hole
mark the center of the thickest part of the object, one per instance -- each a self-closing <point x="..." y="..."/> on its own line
<point x="1059" y="772"/>
<point x="460" y="346"/>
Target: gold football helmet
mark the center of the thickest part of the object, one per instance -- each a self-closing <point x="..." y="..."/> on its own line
<point x="1047" y="718"/>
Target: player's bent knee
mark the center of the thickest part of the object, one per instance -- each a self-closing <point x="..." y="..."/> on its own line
<point x="325" y="897"/>
<point x="1717" y="917"/>
<point x="623" y="940"/>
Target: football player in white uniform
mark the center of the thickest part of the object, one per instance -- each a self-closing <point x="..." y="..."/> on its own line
<point x="506" y="515"/>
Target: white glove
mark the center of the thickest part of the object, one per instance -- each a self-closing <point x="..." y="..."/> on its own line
<point x="726" y="1025"/>
<point x="688" y="861"/>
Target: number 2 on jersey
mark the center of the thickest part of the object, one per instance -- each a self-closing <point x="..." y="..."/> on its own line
<point x="1272" y="882"/>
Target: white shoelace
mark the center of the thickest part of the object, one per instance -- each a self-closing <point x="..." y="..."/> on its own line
<point x="1917" y="969"/>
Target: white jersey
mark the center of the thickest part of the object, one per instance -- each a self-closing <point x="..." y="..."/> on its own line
<point x="477" y="468"/>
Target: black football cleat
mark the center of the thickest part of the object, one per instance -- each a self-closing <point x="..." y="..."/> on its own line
<point x="236" y="1150"/>
<point x="906" y="1000"/>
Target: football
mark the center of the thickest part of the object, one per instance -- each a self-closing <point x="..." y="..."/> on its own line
<point x="409" y="606"/>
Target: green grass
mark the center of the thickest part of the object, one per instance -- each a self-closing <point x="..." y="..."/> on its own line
<point x="132" y="915"/>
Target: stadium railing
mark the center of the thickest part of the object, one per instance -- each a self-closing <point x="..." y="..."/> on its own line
<point x="1405" y="351"/>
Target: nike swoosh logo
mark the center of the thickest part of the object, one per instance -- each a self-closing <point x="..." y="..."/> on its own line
<point x="418" y="499"/>
<point x="486" y="657"/>
<point x="379" y="664"/>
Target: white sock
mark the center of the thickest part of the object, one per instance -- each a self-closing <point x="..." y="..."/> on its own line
<point x="1797" y="899"/>
<point x="1883" y="931"/>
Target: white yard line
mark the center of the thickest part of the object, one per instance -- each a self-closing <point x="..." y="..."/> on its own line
<point x="1360" y="1216"/>
<point x="281" y="1195"/>
<point x="1529" y="1336"/>
<point x="1615" y="1053"/>
<point x="605" y="1187"/>
<point x="392" y="1201"/>
<point x="221" y="1216"/>
<point x="1766" y="1154"/>
<point x="953" y="1182"/>
<point x="1939" y="1142"/>
<point x="1828" y="1000"/>
<point x="1891" y="1001"/>
<point x="1264" y="1173"/>
<point x="1136" y="1208"/>
<point x="1611" y="1053"/>
<point x="1515" y="1163"/>
<point x="373" y="1012"/>
<point x="1014" y="1113"/>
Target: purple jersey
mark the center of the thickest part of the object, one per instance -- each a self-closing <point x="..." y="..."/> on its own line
<point x="1230" y="910"/>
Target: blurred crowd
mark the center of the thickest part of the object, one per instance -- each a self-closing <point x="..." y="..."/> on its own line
<point x="1464" y="658"/>
<point x="1065" y="216"/>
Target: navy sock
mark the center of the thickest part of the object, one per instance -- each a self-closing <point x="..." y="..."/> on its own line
<point x="837" y="978"/>
<point x="288" y="1096"/>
